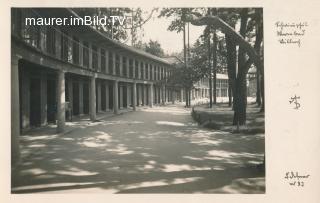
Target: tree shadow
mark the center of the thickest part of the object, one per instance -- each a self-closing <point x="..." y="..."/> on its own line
<point x="143" y="152"/>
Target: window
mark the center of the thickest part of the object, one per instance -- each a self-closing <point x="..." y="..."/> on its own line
<point x="142" y="70"/>
<point x="117" y="65"/>
<point x="110" y="65"/>
<point x="30" y="33"/>
<point x="131" y="68"/>
<point x="75" y="51"/>
<point x="124" y="66"/>
<point x="51" y="39"/>
<point x="147" y="71"/>
<point x="136" y="69"/>
<point x="103" y="60"/>
<point x="64" y="46"/>
<point x="94" y="57"/>
<point x="85" y="54"/>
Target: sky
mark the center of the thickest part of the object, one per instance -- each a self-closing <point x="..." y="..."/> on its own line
<point x="156" y="29"/>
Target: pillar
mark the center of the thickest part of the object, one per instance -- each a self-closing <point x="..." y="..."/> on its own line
<point x="61" y="101"/>
<point x="107" y="61"/>
<point x="140" y="87"/>
<point x="115" y="97"/>
<point x="25" y="99"/>
<point x="134" y="99"/>
<point x="99" y="96"/>
<point x="15" y="111"/>
<point x="99" y="58"/>
<point x="114" y="63"/>
<point x="120" y="65"/>
<point x="70" y="90"/>
<point x="80" y="97"/>
<point x="43" y="99"/>
<point x="92" y="99"/>
<point x="151" y="95"/>
<point x="121" y="97"/>
<point x="90" y="56"/>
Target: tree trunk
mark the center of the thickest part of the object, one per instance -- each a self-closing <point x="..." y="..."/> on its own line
<point x="240" y="104"/>
<point x="231" y="66"/>
<point x="229" y="93"/>
<point x="214" y="62"/>
<point x="262" y="90"/>
<point x="210" y="68"/>
<point x="258" y="93"/>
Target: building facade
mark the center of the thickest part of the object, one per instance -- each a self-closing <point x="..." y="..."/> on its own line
<point x="62" y="71"/>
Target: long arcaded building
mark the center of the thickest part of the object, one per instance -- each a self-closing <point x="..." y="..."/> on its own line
<point x="59" y="71"/>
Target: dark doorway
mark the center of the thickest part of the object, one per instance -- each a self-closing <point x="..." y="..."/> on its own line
<point x="125" y="96"/>
<point x="35" y="102"/>
<point x="75" y="101"/>
<point x="103" y="97"/>
<point x="85" y="98"/>
<point x="110" y="96"/>
<point x="51" y="101"/>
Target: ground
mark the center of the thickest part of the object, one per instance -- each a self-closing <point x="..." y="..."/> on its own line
<point x="152" y="150"/>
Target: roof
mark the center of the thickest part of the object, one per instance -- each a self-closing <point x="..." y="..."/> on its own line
<point x="95" y="35"/>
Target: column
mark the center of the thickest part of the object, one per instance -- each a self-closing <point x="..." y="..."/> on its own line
<point x="70" y="90"/>
<point x="160" y="94"/>
<point x="25" y="99"/>
<point x="134" y="99"/>
<point x="121" y="96"/>
<point x="43" y="95"/>
<point x="99" y="58"/>
<point x="90" y="56"/>
<point x="80" y="97"/>
<point x="139" y="69"/>
<point x="114" y="63"/>
<point x="61" y="102"/>
<point x="92" y="99"/>
<point x="140" y="94"/>
<point x="151" y="95"/>
<point x="99" y="95"/>
<point x="107" y="61"/>
<point x="115" y="97"/>
<point x="134" y="68"/>
<point x="15" y="111"/>
<point x="107" y="97"/>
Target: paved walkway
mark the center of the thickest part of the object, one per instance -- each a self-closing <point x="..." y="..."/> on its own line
<point x="152" y="150"/>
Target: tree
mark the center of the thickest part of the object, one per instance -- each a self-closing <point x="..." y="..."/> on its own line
<point x="246" y="56"/>
<point x="179" y="25"/>
<point x="117" y="31"/>
<point x="154" y="47"/>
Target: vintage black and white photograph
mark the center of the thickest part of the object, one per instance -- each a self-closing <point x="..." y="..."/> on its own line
<point x="137" y="100"/>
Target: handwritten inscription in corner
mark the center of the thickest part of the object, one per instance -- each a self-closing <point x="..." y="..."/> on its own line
<point x="295" y="179"/>
<point x="291" y="33"/>
<point x="294" y="100"/>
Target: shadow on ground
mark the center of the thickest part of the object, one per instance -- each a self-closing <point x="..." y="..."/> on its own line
<point x="158" y="150"/>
